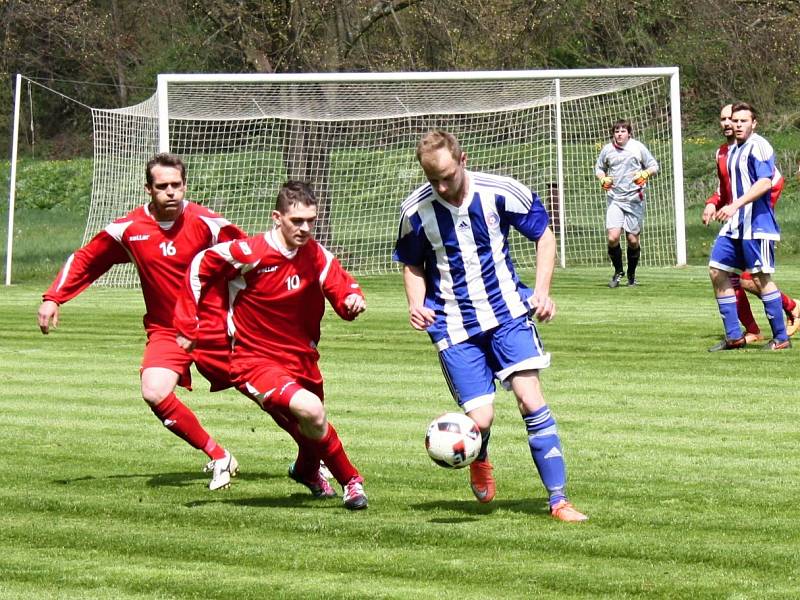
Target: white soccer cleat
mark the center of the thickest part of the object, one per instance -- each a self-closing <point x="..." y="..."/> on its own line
<point x="354" y="497"/>
<point x="222" y="469"/>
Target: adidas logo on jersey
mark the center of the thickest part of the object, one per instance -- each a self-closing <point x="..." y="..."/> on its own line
<point x="140" y="238"/>
<point x="463" y="225"/>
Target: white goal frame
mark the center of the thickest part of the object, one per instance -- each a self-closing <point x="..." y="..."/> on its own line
<point x="149" y="127"/>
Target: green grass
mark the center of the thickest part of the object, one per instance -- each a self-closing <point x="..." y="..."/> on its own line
<point x="687" y="463"/>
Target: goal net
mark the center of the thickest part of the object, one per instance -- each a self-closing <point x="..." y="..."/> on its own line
<point x="353" y="137"/>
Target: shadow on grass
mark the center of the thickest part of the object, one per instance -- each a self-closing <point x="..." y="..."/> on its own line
<point x="473" y="510"/>
<point x="292" y="501"/>
<point x="177" y="479"/>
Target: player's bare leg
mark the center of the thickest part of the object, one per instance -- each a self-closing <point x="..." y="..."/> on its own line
<point x="157" y="390"/>
<point x="544" y="444"/>
<point x="324" y="440"/>
<point x="791" y="307"/>
<point x="726" y="302"/>
<point x="741" y="284"/>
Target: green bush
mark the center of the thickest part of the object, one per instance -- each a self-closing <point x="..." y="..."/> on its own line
<point x="47" y="185"/>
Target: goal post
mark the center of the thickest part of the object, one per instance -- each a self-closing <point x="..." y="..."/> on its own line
<point x="353" y="137"/>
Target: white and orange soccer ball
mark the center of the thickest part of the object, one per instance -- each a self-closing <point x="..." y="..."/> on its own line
<point x="453" y="440"/>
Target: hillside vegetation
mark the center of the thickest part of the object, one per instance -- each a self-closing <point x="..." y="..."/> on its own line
<point x="53" y="196"/>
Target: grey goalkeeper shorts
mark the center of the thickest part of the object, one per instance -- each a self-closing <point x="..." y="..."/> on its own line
<point x="625" y="215"/>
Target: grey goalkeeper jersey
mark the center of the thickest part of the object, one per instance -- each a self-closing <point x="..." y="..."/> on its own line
<point x="621" y="164"/>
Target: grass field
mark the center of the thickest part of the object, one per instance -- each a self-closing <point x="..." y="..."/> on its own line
<point x="688" y="469"/>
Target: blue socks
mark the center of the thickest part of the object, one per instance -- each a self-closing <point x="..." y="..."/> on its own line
<point x="773" y="307"/>
<point x="730" y="318"/>
<point x="545" y="447"/>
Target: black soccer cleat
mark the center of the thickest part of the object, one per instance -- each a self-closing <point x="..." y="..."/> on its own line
<point x="726" y="344"/>
<point x="616" y="279"/>
<point x="774" y="344"/>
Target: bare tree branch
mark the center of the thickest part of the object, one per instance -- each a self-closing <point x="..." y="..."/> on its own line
<point x="380" y="10"/>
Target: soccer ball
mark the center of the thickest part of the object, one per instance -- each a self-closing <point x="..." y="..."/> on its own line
<point x="453" y="440"/>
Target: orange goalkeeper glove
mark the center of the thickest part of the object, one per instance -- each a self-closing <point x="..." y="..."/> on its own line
<point x="641" y="177"/>
<point x="606" y="182"/>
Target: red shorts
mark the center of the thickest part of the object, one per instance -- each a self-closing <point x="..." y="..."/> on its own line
<point x="213" y="362"/>
<point x="272" y="384"/>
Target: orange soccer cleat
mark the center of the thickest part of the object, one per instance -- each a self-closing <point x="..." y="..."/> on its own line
<point x="481" y="480"/>
<point x="564" y="511"/>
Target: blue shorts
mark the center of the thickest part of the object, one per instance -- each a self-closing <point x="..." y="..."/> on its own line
<point x="470" y="367"/>
<point x="753" y="256"/>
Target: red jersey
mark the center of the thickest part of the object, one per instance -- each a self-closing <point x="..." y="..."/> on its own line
<point x="277" y="297"/>
<point x="161" y="252"/>
<point x="722" y="195"/>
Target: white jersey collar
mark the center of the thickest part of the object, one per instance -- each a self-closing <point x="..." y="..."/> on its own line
<point x="270" y="238"/>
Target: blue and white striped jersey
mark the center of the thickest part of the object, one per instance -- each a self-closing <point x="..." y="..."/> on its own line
<point x="471" y="283"/>
<point x="747" y="163"/>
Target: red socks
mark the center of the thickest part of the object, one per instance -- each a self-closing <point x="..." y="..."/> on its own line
<point x="180" y="420"/>
<point x="743" y="309"/>
<point x="330" y="449"/>
<point x="788" y="303"/>
<point x="307" y="462"/>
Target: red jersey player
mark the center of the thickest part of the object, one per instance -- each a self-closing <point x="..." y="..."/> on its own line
<point x="721" y="197"/>
<point x="161" y="238"/>
<point x="279" y="281"/>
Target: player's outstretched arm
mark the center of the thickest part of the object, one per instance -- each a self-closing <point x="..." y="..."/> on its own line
<point x="48" y="316"/>
<point x="79" y="271"/>
<point x="544" y="309"/>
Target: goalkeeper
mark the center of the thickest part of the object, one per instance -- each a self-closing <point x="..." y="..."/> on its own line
<point x="623" y="167"/>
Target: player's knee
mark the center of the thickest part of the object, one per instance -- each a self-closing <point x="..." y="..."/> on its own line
<point x="718" y="276"/>
<point x="530" y="402"/>
<point x="310" y="412"/>
<point x="529" y="397"/>
<point x="483" y="417"/>
<point x="153" y="395"/>
<point x="157" y="384"/>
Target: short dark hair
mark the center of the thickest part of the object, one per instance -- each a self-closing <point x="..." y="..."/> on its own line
<point x="737" y="106"/>
<point x="625" y="124"/>
<point x="437" y="139"/>
<point x="293" y="193"/>
<point x="165" y="159"/>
